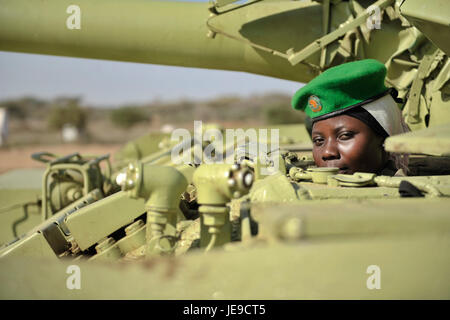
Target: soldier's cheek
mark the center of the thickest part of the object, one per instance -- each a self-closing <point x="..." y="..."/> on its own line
<point x="317" y="155"/>
<point x="351" y="153"/>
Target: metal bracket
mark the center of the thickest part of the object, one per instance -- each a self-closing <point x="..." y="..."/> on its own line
<point x="55" y="238"/>
<point x="358" y="179"/>
<point x="72" y="162"/>
<point x="320" y="44"/>
<point x="417" y="85"/>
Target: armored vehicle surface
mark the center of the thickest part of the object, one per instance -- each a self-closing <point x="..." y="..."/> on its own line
<point x="255" y="225"/>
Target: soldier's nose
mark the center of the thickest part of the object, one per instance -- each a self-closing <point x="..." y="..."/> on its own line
<point x="330" y="152"/>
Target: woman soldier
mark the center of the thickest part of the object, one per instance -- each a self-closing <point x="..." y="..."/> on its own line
<point x="352" y="113"/>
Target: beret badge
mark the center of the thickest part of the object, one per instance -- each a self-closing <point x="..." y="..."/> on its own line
<point x="314" y="104"/>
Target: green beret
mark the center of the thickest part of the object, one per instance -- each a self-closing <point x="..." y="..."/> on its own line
<point x="341" y="88"/>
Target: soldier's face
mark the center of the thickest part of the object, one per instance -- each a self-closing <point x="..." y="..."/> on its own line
<point x="348" y="144"/>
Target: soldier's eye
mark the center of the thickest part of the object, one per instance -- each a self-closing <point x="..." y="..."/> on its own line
<point x="346" y="135"/>
<point x="317" y="141"/>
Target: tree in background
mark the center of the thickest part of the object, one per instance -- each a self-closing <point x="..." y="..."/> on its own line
<point x="25" y="107"/>
<point x="283" y="114"/>
<point x="67" y="111"/>
<point x="126" y="117"/>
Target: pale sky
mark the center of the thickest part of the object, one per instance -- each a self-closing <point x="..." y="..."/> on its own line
<point x="101" y="82"/>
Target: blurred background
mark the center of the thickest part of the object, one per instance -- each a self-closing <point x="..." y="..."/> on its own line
<point x="65" y="105"/>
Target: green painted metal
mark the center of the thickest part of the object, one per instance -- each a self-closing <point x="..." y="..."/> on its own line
<point x="72" y="177"/>
<point x="216" y="185"/>
<point x="313" y="231"/>
<point x="33" y="246"/>
<point x="54" y="230"/>
<point x="94" y="222"/>
<point x="107" y="250"/>
<point x="433" y="141"/>
<point x="22" y="179"/>
<point x="42" y="29"/>
<point x="349" y="218"/>
<point x="260" y="37"/>
<point x="273" y="188"/>
<point x="19" y="206"/>
<point x="134" y="239"/>
<point x="330" y="268"/>
<point x="432" y="18"/>
<point x="19" y="212"/>
<point x="323" y="42"/>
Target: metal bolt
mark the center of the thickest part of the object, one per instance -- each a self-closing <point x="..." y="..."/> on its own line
<point x="235" y="167"/>
<point x="248" y="179"/>
<point x="77" y="194"/>
<point x="231" y="182"/>
<point x="121" y="178"/>
<point x="236" y="194"/>
<point x="211" y="34"/>
<point x="104" y="244"/>
<point x="133" y="227"/>
<point x="74" y="194"/>
<point x="130" y="183"/>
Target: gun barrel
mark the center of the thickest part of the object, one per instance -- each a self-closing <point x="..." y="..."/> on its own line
<point x="169" y="33"/>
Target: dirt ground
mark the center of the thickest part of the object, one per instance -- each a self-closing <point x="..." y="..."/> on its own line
<point x="20" y="157"/>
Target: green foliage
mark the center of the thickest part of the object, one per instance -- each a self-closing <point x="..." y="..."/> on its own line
<point x="67" y="111"/>
<point x="283" y="114"/>
<point x="223" y="101"/>
<point x="126" y="117"/>
<point x="24" y="108"/>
